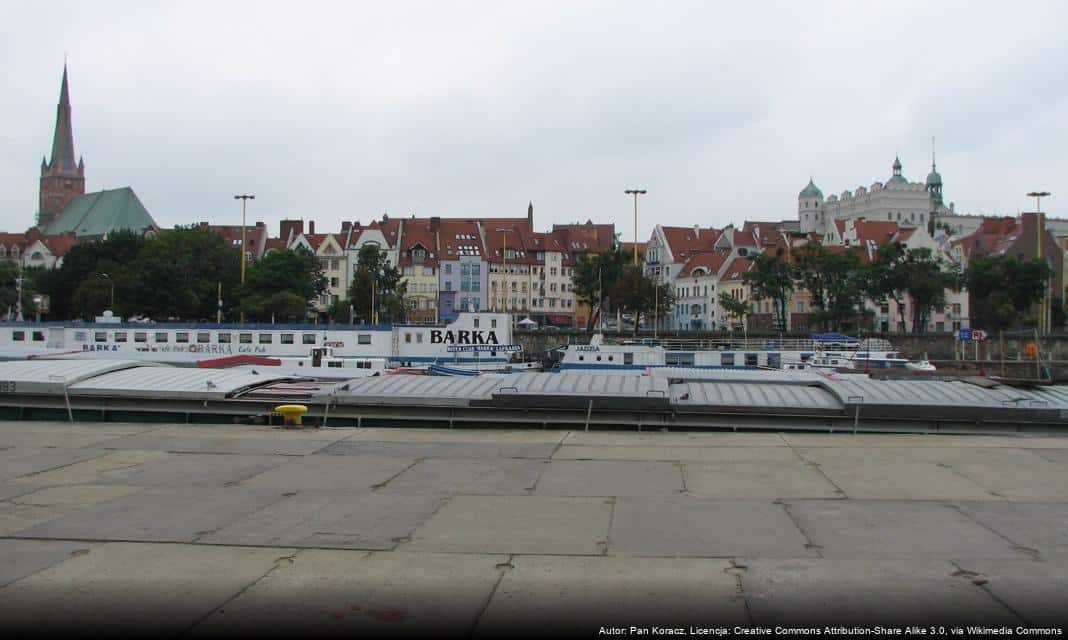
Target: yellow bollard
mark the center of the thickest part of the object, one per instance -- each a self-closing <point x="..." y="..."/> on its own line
<point x="291" y="414"/>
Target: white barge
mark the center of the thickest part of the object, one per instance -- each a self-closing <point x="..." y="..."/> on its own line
<point x="475" y="340"/>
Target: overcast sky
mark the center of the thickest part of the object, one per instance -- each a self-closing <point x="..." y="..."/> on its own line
<point x="346" y="110"/>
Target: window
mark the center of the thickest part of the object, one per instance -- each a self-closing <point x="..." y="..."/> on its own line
<point x="307" y="338"/>
<point x="750" y="359"/>
<point x="407" y="338"/>
<point x="726" y="359"/>
<point x="287" y="338"/>
<point x="120" y="336"/>
<point x="161" y="337"/>
<point x="100" y="336"/>
<point x="244" y="338"/>
<point x="628" y="357"/>
<point x="223" y="338"/>
<point x="448" y="285"/>
<point x="333" y="282"/>
<point x="363" y="338"/>
<point x="140" y="336"/>
<point x="18" y="336"/>
<point x="678" y="359"/>
<point x="428" y="271"/>
<point x="448" y="269"/>
<point x="181" y="336"/>
<point x="38" y="336"/>
<point x="203" y="337"/>
<point x="334" y="265"/>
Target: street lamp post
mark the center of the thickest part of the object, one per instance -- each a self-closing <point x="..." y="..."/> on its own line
<point x="244" y="198"/>
<point x="635" y="193"/>
<point x="1044" y="307"/>
<point x="111" y="307"/>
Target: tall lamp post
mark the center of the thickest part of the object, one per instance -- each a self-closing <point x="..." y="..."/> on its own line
<point x="111" y="307"/>
<point x="635" y="193"/>
<point x="504" y="254"/>
<point x="1045" y="306"/>
<point x="244" y="198"/>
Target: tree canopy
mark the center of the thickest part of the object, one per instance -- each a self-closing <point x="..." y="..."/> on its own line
<point x="374" y="273"/>
<point x="596" y="278"/>
<point x="1004" y="290"/>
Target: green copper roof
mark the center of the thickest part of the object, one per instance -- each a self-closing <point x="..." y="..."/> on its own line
<point x="810" y="191"/>
<point x="98" y="214"/>
<point x="934" y="177"/>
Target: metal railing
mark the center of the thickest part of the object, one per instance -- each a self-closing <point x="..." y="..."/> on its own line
<point x="754" y="344"/>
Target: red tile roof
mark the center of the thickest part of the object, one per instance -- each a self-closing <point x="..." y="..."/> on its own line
<point x="737" y="268"/>
<point x="458" y="237"/>
<point x="878" y="231"/>
<point x="710" y="261"/>
<point x="9" y="240"/>
<point x="683" y="241"/>
<point x="60" y="244"/>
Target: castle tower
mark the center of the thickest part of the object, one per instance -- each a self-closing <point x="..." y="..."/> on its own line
<point x="61" y="179"/>
<point x="934" y="183"/>
<point x="810" y="209"/>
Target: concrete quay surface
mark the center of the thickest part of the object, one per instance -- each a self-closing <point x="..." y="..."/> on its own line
<point x="196" y="531"/>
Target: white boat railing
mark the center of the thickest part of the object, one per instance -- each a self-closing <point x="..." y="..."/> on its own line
<point x="755" y="344"/>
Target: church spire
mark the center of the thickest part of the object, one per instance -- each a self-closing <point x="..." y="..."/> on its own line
<point x="62" y="162"/>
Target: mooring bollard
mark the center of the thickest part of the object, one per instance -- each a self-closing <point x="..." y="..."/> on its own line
<point x="291" y="414"/>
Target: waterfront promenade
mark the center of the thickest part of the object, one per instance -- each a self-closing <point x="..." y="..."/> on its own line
<point x="204" y="530"/>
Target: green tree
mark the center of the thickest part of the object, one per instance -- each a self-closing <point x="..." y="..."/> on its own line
<point x="177" y="274"/>
<point x="9" y="287"/>
<point x="772" y="278"/>
<point x="375" y="274"/>
<point x="735" y="308"/>
<point x="887" y="278"/>
<point x="595" y="276"/>
<point x="1004" y="289"/>
<point x="639" y="294"/>
<point x="274" y="284"/>
<point x="926" y="282"/>
<point x="835" y="280"/>
<point x="115" y="256"/>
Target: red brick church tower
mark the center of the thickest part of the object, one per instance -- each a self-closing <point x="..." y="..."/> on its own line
<point x="61" y="179"/>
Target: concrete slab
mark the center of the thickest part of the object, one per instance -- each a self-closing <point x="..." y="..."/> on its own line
<point x="1037" y="482"/>
<point x="9" y="490"/>
<point x="921" y="440"/>
<point x="20" y="558"/>
<point x="329" y="473"/>
<point x="14" y="518"/>
<point x="671" y="439"/>
<point x="885" y="529"/>
<point x="259" y="444"/>
<point x="611" y="592"/>
<point x="465" y="450"/>
<point x="98" y="469"/>
<point x="697" y="527"/>
<point x="194" y="470"/>
<point x="129" y="588"/>
<point x="485" y="477"/>
<point x="1052" y="455"/>
<point x="784" y="479"/>
<point x="1042" y="527"/>
<point x="888" y="480"/>
<point x="370" y="595"/>
<point x="74" y="496"/>
<point x="61" y="439"/>
<point x="1036" y="591"/>
<point x="459" y="435"/>
<point x="24" y="461"/>
<point x="363" y="521"/>
<point x="610" y="478"/>
<point x="157" y="515"/>
<point x="693" y="452"/>
<point x="520" y="524"/>
<point x="943" y="455"/>
<point x="253" y="432"/>
<point x="865" y="592"/>
<point x="49" y="426"/>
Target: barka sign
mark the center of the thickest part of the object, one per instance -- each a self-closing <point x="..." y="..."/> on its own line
<point x="437" y="336"/>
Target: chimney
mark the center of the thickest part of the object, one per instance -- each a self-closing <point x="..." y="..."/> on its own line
<point x="311" y="227"/>
<point x="385" y="217"/>
<point x="697" y="231"/>
<point x="530" y="215"/>
<point x="290" y="228"/>
<point x="345" y="226"/>
<point x="356" y="225"/>
<point x="435" y="222"/>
